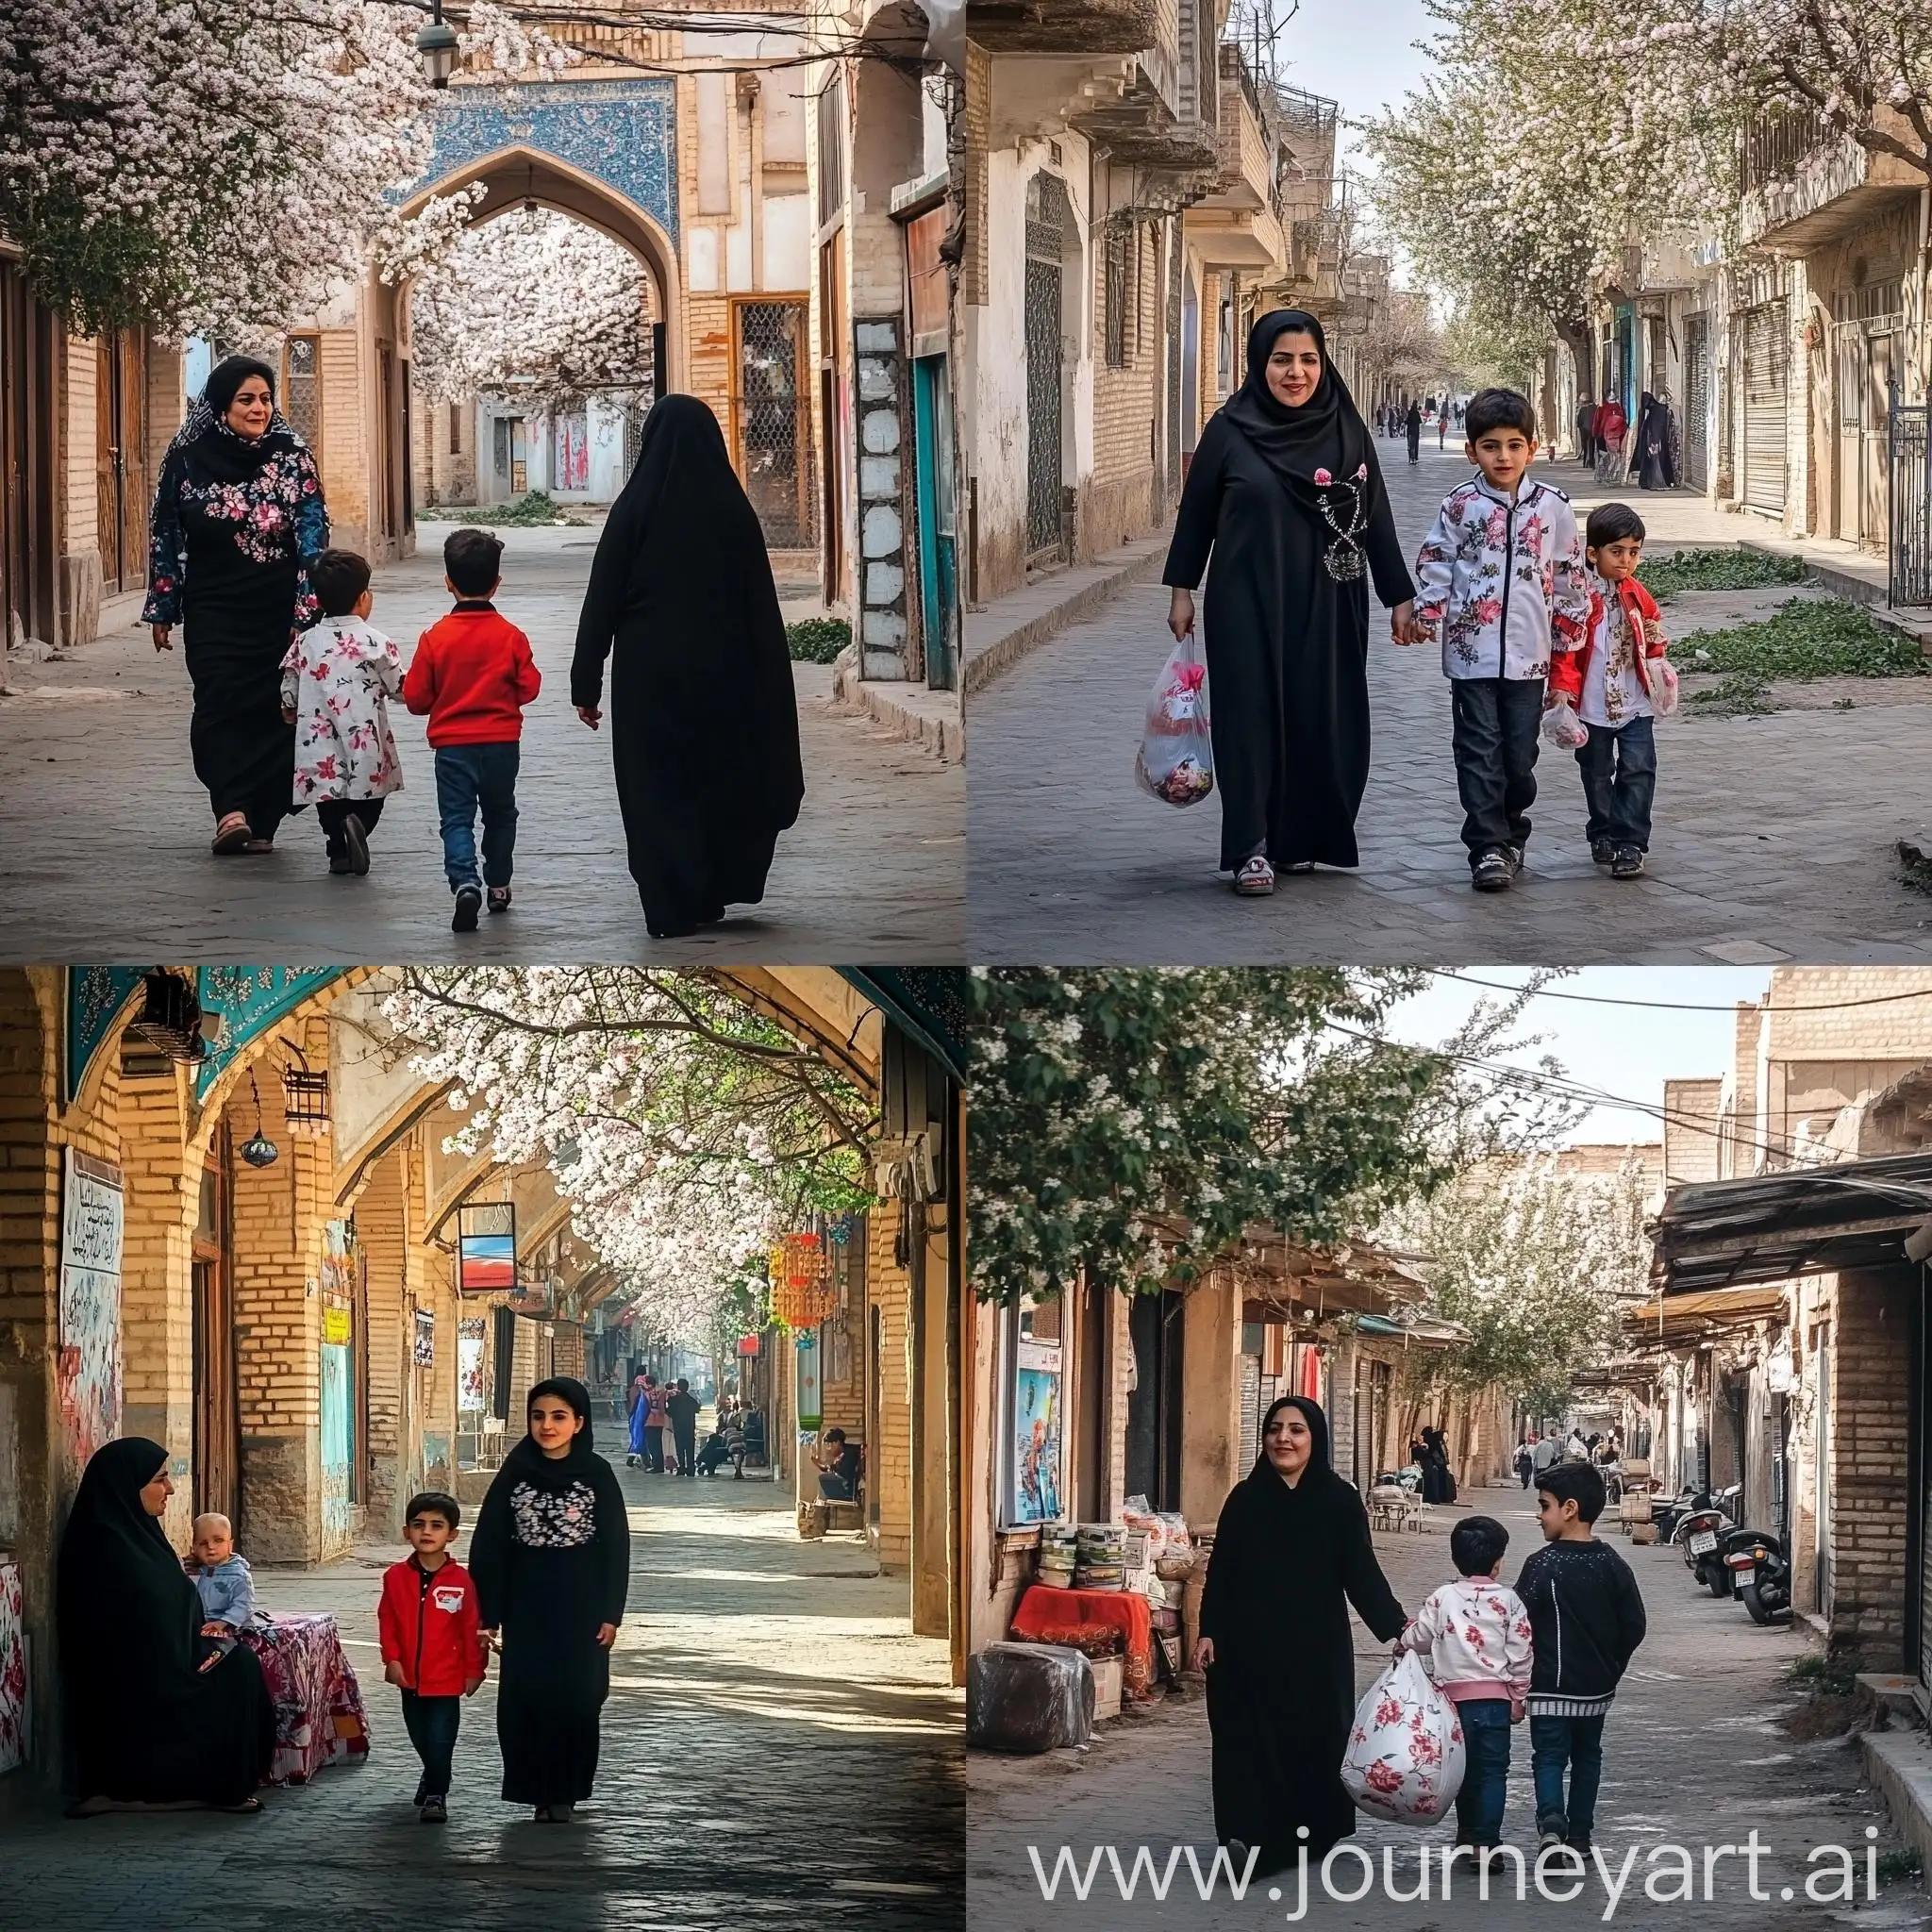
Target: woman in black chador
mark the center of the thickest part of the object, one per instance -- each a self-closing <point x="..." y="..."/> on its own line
<point x="159" y="1712"/>
<point x="1439" y="1485"/>
<point x="1412" y="426"/>
<point x="1651" y="461"/>
<point x="1291" y="1552"/>
<point x="551" y="1557"/>
<point x="703" y="714"/>
<point x="238" y="517"/>
<point x="1286" y="491"/>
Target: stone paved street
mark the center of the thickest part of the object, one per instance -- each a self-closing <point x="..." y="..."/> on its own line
<point x="1696" y="1752"/>
<point x="104" y="831"/>
<point x="1773" y="837"/>
<point x="778" y="1750"/>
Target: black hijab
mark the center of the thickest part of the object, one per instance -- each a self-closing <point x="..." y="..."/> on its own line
<point x="528" y="1459"/>
<point x="217" y="452"/>
<point x="1326" y="433"/>
<point x="119" y="1579"/>
<point x="1320" y="1467"/>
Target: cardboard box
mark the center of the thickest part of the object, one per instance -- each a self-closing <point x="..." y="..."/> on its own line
<point x="1109" y="1680"/>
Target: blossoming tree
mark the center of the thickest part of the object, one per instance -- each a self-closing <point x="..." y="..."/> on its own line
<point x="687" y="1131"/>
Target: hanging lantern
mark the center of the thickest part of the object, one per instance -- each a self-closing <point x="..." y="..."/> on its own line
<point x="802" y="1293"/>
<point x="259" y="1150"/>
<point x="305" y="1096"/>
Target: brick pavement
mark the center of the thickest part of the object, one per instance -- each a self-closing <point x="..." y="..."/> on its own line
<point x="778" y="1749"/>
<point x="1774" y="836"/>
<point x="1695" y="1753"/>
<point x="103" y="830"/>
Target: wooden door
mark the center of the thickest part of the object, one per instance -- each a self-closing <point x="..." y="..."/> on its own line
<point x="121" y="456"/>
<point x="217" y="1431"/>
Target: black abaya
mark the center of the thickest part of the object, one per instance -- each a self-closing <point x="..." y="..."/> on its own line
<point x="1286" y="1564"/>
<point x="1413" y="424"/>
<point x="703" y="716"/>
<point x="1439" y="1486"/>
<point x="144" y="1724"/>
<point x="550" y="1559"/>
<point x="1654" y="463"/>
<point x="1287" y="644"/>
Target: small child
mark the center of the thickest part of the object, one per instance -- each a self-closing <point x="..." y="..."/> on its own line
<point x="1585" y="1616"/>
<point x="337" y="679"/>
<point x="1618" y="683"/>
<point x="433" y="1648"/>
<point x="1502" y="573"/>
<point x="471" y="676"/>
<point x="222" y="1579"/>
<point x="1476" y="1635"/>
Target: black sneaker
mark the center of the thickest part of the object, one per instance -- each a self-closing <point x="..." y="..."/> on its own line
<point x="498" y="898"/>
<point x="1514" y="854"/>
<point x="435" y="1811"/>
<point x="355" y="838"/>
<point x="1627" y="864"/>
<point x="1579" y="1841"/>
<point x="469" y="903"/>
<point x="340" y="864"/>
<point x="1492" y="872"/>
<point x="1602" y="852"/>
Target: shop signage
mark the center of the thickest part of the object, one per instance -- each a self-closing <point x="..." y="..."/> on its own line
<point x="89" y="1370"/>
<point x="335" y="1326"/>
<point x="809" y="1412"/>
<point x="486" y="1247"/>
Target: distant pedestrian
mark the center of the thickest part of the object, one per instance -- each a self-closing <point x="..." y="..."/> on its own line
<point x="1413" y="424"/>
<point x="471" y="676"/>
<point x="1545" y="1452"/>
<point x="657" y="1419"/>
<point x="1502" y="581"/>
<point x="1286" y="492"/>
<point x="1587" y="1617"/>
<point x="432" y="1645"/>
<point x="551" y="1557"/>
<point x="237" y="516"/>
<point x="1524" y="1458"/>
<point x="703" y="713"/>
<point x="336" y="681"/>
<point x="1586" y="432"/>
<point x="682" y="1406"/>
<point x="639" y="1409"/>
<point x="1442" y="429"/>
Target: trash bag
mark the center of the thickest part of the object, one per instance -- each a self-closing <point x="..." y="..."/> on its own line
<point x="1664" y="686"/>
<point x="1405" y="1757"/>
<point x="1564" y="728"/>
<point x="1028" y="1697"/>
<point x="1177" y="760"/>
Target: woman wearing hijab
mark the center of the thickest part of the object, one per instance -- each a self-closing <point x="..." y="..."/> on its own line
<point x="1412" y="425"/>
<point x="238" y="517"/>
<point x="550" y="1559"/>
<point x="159" y="1711"/>
<point x="1439" y="1485"/>
<point x="703" y="712"/>
<point x="1291" y="1552"/>
<point x="1286" y="491"/>
<point x="1650" y="459"/>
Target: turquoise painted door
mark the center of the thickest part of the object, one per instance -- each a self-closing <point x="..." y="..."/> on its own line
<point x="932" y="436"/>
<point x="337" y="1437"/>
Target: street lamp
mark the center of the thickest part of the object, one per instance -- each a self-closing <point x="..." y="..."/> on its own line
<point x="436" y="46"/>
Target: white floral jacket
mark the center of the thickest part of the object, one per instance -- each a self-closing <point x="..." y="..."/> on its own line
<point x="1475" y="1633"/>
<point x="1505" y="582"/>
<point x="336" y="679"/>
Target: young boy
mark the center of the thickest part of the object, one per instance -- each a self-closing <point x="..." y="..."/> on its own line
<point x="222" y="1579"/>
<point x="432" y="1643"/>
<point x="1613" y="683"/>
<point x="1586" y="1617"/>
<point x="337" y="679"/>
<point x="1501" y="572"/>
<point x="471" y="676"/>
<point x="1476" y="1633"/>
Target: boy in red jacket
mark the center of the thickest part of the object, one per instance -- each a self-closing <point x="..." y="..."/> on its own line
<point x="433" y="1648"/>
<point x="471" y="676"/>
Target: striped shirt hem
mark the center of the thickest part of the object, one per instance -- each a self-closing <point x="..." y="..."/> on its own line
<point x="1551" y="1706"/>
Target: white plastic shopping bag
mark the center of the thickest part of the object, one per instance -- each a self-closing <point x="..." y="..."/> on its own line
<point x="1177" y="760"/>
<point x="1405" y="1753"/>
<point x="1664" y="686"/>
<point x="1562" y="729"/>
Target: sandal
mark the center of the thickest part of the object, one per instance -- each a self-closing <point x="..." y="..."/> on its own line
<point x="232" y="834"/>
<point x="245" y="1806"/>
<point x="1255" y="878"/>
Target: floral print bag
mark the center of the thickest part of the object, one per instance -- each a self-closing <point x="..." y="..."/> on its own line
<point x="1405" y="1758"/>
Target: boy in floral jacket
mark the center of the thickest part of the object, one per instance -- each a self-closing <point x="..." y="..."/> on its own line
<point x="1501" y="574"/>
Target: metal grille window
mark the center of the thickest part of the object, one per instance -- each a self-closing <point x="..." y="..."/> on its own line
<point x="831" y="148"/>
<point x="456" y="429"/>
<point x="1119" y="284"/>
<point x="301" y="397"/>
<point x="774" y="418"/>
<point x="1046" y="218"/>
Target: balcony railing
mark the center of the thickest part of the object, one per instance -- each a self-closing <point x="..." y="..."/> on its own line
<point x="1776" y="139"/>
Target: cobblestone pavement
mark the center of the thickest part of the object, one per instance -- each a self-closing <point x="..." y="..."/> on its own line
<point x="1774" y="836"/>
<point x="1696" y="1752"/>
<point x="103" y="830"/>
<point x="778" y="1750"/>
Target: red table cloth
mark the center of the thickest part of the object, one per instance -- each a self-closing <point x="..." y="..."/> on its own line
<point x="319" y="1715"/>
<point x="1043" y="1608"/>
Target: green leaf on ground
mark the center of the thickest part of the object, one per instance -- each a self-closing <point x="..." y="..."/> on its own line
<point x="537" y="507"/>
<point x="1807" y="637"/>
<point x="1726" y="567"/>
<point x="817" y="639"/>
<point x="1742" y="696"/>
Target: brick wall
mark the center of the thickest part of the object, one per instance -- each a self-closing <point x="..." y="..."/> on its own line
<point x="1121" y="499"/>
<point x="978" y="132"/>
<point x="889" y="1459"/>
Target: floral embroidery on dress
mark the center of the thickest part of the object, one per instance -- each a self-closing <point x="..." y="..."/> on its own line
<point x="554" y="1519"/>
<point x="336" y="679"/>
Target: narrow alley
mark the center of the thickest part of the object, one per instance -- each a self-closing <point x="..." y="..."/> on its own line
<point x="777" y="1746"/>
<point x="1774" y="836"/>
<point x="103" y="830"/>
<point x="1699" y="1749"/>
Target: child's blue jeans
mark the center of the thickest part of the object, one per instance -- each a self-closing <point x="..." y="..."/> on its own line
<point x="469" y="778"/>
<point x="1619" y="767"/>
<point x="1485" y="1771"/>
<point x="1577" y="1741"/>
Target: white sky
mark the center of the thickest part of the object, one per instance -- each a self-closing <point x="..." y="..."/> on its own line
<point x="1623" y="1050"/>
<point x="1357" y="52"/>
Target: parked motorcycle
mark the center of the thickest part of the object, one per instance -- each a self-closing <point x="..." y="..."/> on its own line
<point x="1760" y="1575"/>
<point x="1700" y="1533"/>
<point x="1667" y="1516"/>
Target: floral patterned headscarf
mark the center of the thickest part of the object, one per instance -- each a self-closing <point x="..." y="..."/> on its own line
<point x="225" y="455"/>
